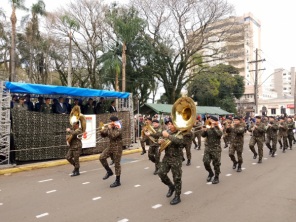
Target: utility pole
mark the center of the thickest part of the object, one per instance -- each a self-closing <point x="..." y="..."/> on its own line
<point x="256" y="61"/>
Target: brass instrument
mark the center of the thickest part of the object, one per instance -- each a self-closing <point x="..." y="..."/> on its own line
<point x="76" y="116"/>
<point x="183" y="117"/>
<point x="148" y="128"/>
<point x="208" y="124"/>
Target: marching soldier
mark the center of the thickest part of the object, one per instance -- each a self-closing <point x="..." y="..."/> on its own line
<point x="113" y="132"/>
<point x="271" y="135"/>
<point x="188" y="142"/>
<point x="283" y="134"/>
<point x="153" y="152"/>
<point x="172" y="160"/>
<point x="226" y="136"/>
<point x="75" y="148"/>
<point x="258" y="130"/>
<point x="145" y="139"/>
<point x="197" y="130"/>
<point x="236" y="131"/>
<point x="213" y="150"/>
<point x="291" y="127"/>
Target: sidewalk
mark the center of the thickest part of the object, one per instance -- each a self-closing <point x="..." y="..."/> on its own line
<point x="26" y="167"/>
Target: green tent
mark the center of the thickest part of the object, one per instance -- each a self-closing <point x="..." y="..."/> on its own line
<point x="151" y="108"/>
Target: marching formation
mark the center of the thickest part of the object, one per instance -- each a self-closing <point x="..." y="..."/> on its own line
<point x="179" y="132"/>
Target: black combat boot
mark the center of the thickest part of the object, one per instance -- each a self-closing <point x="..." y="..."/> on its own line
<point x="211" y="174"/>
<point x="112" y="162"/>
<point x="239" y="168"/>
<point x="171" y="191"/>
<point x="216" y="180"/>
<point x="260" y="161"/>
<point x="234" y="165"/>
<point x="198" y="148"/>
<point x="108" y="174"/>
<point x="116" y="183"/>
<point x="226" y="145"/>
<point x="188" y="162"/>
<point x="143" y="152"/>
<point x="75" y="172"/>
<point x="290" y="147"/>
<point x="255" y="156"/>
<point x="176" y="200"/>
<point x="272" y="155"/>
<point x="156" y="171"/>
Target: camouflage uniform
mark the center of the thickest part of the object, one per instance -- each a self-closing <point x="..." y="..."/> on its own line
<point x="188" y="141"/>
<point x="271" y="135"/>
<point x="144" y="140"/>
<point x="212" y="149"/>
<point x="283" y="133"/>
<point x="236" y="143"/>
<point x="153" y="152"/>
<point x="172" y="160"/>
<point x="226" y="136"/>
<point x="197" y="130"/>
<point x="290" y="133"/>
<point x="46" y="108"/>
<point x="75" y="148"/>
<point x="114" y="150"/>
<point x="257" y="137"/>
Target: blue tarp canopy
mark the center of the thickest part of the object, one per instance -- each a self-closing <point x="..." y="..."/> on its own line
<point x="38" y="89"/>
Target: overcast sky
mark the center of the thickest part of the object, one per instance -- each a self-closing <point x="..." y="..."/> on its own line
<point x="277" y="27"/>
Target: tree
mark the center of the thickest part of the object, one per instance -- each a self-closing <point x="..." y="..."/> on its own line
<point x="178" y="31"/>
<point x="72" y="25"/>
<point x="217" y="86"/>
<point x="15" y="4"/>
<point x="126" y="25"/>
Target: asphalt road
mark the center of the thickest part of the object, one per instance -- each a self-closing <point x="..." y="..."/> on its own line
<point x="261" y="192"/>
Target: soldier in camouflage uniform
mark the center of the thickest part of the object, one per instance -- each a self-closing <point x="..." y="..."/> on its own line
<point x="283" y="133"/>
<point x="46" y="107"/>
<point x="113" y="132"/>
<point x="75" y="148"/>
<point x="291" y="127"/>
<point x="226" y="136"/>
<point x="172" y="160"/>
<point x="258" y="130"/>
<point x="271" y="135"/>
<point x="188" y="142"/>
<point x="197" y="130"/>
<point x="153" y="152"/>
<point x="213" y="150"/>
<point x="145" y="139"/>
<point x="236" y="131"/>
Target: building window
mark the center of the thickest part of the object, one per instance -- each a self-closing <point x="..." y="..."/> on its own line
<point x="273" y="111"/>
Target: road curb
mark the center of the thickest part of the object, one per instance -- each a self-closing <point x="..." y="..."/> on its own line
<point x="53" y="163"/>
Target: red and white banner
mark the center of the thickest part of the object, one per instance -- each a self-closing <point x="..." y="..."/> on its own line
<point x="89" y="137"/>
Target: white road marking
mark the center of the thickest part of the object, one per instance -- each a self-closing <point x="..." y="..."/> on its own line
<point x="96" y="198"/>
<point x="123" y="220"/>
<point x="1" y="204"/>
<point x="254" y="163"/>
<point x="134" y="161"/>
<point x="138" y="185"/>
<point x="156" y="206"/>
<point x="51" y="191"/>
<point x="41" y="181"/>
<point x="265" y="158"/>
<point x="188" y="192"/>
<point x="146" y="168"/>
<point x="243" y="168"/>
<point x="197" y="166"/>
<point x="228" y="175"/>
<point x="42" y="215"/>
<point x="83" y="172"/>
<point x="209" y="183"/>
<point x="202" y="154"/>
<point x="85" y="183"/>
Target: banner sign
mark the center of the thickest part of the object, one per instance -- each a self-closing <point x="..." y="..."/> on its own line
<point x="89" y="137"/>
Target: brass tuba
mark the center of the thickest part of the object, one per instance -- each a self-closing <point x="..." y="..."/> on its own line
<point x="148" y="128"/>
<point x="76" y="116"/>
<point x="183" y="117"/>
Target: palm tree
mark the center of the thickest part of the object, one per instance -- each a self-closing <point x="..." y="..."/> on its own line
<point x="72" y="25"/>
<point x="15" y="4"/>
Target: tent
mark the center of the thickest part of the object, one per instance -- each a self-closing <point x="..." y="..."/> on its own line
<point x="151" y="108"/>
<point x="50" y="90"/>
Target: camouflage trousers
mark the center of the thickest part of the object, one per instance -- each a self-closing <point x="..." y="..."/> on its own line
<point x="226" y="139"/>
<point x="115" y="155"/>
<point x="73" y="157"/>
<point x="198" y="136"/>
<point x="238" y="147"/>
<point x="188" y="150"/>
<point x="215" y="158"/>
<point x="175" y="165"/>
<point x="259" y="141"/>
<point x="274" y="142"/>
<point x="143" y="141"/>
<point x="290" y="139"/>
<point x="285" y="141"/>
<point x="154" y="155"/>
